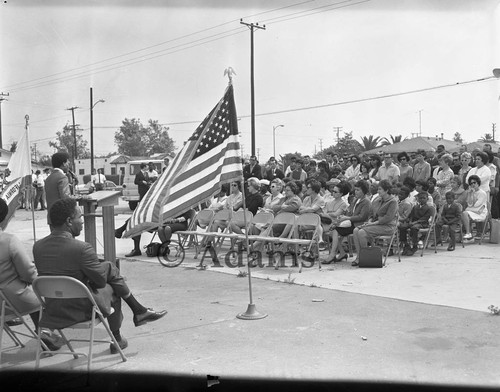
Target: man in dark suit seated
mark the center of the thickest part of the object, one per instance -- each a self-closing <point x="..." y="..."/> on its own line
<point x="61" y="254"/>
<point x="274" y="171"/>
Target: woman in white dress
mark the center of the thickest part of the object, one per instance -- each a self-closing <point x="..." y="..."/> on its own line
<point x="477" y="207"/>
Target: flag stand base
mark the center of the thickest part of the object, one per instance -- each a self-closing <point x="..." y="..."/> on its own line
<point x="251" y="314"/>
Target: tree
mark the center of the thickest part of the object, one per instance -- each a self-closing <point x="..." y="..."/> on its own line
<point x="487" y="138"/>
<point x="66" y="142"/>
<point x="347" y="145"/>
<point x="394" y="140"/>
<point x="370" y="142"/>
<point x="45" y="160"/>
<point x="134" y="139"/>
<point x="13" y="146"/>
<point x="458" y="138"/>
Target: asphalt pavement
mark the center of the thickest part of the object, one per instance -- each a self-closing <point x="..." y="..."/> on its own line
<point x="424" y="320"/>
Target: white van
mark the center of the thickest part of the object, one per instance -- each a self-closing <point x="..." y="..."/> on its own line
<point x="130" y="190"/>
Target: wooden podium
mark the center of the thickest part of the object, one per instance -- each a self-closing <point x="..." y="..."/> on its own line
<point x="107" y="200"/>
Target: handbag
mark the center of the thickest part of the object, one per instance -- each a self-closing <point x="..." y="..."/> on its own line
<point x="370" y="257"/>
<point x="152" y="249"/>
<point x="495" y="231"/>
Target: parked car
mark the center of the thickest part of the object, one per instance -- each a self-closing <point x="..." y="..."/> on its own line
<point x="89" y="187"/>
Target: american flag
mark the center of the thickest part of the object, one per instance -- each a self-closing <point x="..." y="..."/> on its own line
<point x="210" y="158"/>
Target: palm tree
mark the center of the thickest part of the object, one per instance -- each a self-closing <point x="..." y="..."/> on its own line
<point x="487" y="138"/>
<point x="370" y="142"/>
<point x="394" y="140"/>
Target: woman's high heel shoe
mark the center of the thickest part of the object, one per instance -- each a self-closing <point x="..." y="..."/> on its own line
<point x="328" y="260"/>
<point x="335" y="260"/>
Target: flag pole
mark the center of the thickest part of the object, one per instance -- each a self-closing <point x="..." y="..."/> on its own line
<point x="30" y="182"/>
<point x="251" y="313"/>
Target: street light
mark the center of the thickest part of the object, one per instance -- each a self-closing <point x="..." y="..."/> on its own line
<point x="274" y="138"/>
<point x="92" y="105"/>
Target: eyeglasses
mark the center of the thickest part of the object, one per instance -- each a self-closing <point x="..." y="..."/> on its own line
<point x="472" y="182"/>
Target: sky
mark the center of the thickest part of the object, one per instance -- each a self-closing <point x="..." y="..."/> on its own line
<point x="319" y="65"/>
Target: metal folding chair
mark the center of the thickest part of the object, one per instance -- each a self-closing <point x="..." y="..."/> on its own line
<point x="428" y="231"/>
<point x="203" y="220"/>
<point x="67" y="288"/>
<point x="390" y="240"/>
<point x="306" y="225"/>
<point x="8" y="313"/>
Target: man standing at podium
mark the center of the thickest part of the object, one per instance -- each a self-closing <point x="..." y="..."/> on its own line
<point x="57" y="183"/>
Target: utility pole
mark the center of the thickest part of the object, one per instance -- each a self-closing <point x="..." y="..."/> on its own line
<point x="2" y="98"/>
<point x="320" y="145"/>
<point x="420" y="122"/>
<point x="75" y="151"/>
<point x="34" y="150"/>
<point x="337" y="130"/>
<point x="252" y="27"/>
<point x="493" y="129"/>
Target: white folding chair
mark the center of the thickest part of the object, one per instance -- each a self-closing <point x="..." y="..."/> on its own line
<point x="307" y="224"/>
<point x="67" y="288"/>
<point x="202" y="220"/>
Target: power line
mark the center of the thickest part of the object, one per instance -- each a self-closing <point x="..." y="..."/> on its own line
<point x="159" y="44"/>
<point x="150" y="56"/>
<point x="371" y="98"/>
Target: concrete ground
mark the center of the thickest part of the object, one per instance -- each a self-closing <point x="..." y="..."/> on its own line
<point x="423" y="320"/>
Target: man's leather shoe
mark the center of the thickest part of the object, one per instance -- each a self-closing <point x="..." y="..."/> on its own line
<point x="53" y="342"/>
<point x="134" y="252"/>
<point x="123" y="343"/>
<point x="147" y="316"/>
<point x="14" y="322"/>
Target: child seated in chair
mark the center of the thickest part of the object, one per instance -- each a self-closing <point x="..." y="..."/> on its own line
<point x="448" y="220"/>
<point x="418" y="219"/>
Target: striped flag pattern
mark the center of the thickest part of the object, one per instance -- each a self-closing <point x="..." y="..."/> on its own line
<point x="19" y="178"/>
<point x="210" y="158"/>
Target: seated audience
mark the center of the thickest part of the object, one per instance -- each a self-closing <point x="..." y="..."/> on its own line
<point x="382" y="219"/>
